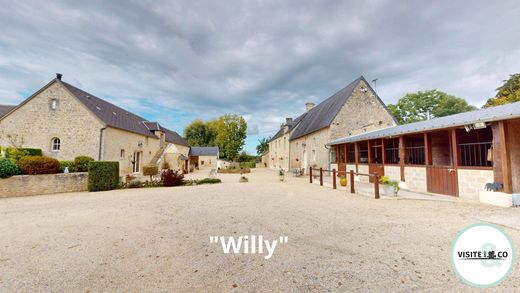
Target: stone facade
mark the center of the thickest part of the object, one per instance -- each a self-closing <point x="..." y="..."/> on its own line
<point x="415" y="178"/>
<point x="25" y="185"/>
<point x="173" y="154"/>
<point x="471" y="182"/>
<point x="310" y="150"/>
<point x="37" y="124"/>
<point x="279" y="152"/>
<point x="207" y="162"/>
<point x="393" y="172"/>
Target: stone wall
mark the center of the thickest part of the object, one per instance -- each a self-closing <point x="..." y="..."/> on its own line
<point x="393" y="173"/>
<point x="279" y="153"/>
<point x="172" y="155"/>
<point x="76" y="127"/>
<point x="207" y="162"/>
<point x="415" y="178"/>
<point x="364" y="170"/>
<point x="471" y="182"/>
<point x="311" y="146"/>
<point x="24" y="185"/>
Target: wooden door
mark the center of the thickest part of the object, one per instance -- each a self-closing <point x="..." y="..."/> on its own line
<point x="376" y="168"/>
<point x="442" y="180"/>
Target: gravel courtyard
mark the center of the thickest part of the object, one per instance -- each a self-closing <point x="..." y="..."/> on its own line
<point x="157" y="239"/>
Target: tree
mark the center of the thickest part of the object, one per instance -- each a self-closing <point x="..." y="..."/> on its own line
<point x="263" y="146"/>
<point x="231" y="134"/>
<point x="200" y="133"/>
<point x="426" y="105"/>
<point x="509" y="92"/>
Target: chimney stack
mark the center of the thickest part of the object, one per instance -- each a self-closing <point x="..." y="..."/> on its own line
<point x="288" y="121"/>
<point x="58" y="76"/>
<point x="309" y="106"/>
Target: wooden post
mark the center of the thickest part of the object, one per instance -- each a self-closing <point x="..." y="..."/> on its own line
<point x="383" y="151"/>
<point x="352" y="189"/>
<point x="401" y="156"/>
<point x="454" y="148"/>
<point x="427" y="150"/>
<point x="321" y="176"/>
<point x="505" y="157"/>
<point x="356" y="153"/>
<point x="333" y="178"/>
<point x="369" y="146"/>
<point x="310" y="174"/>
<point x="376" y="185"/>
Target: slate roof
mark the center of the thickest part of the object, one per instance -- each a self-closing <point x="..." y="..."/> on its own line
<point x="203" y="151"/>
<point x="504" y="112"/>
<point x="5" y="108"/>
<point x="291" y="126"/>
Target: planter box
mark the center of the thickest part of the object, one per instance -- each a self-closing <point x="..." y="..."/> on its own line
<point x="24" y="185"/>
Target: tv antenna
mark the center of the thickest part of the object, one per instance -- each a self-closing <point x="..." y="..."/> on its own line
<point x="375" y="84"/>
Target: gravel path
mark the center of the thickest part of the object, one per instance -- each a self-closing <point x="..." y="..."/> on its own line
<point x="157" y="240"/>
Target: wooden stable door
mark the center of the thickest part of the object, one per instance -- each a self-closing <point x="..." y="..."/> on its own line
<point x="442" y="180"/>
<point x="376" y="168"/>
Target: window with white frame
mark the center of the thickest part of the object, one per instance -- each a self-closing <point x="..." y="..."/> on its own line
<point x="55" y="144"/>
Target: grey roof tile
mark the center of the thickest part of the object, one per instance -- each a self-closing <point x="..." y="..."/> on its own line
<point x="4" y="109"/>
<point x="203" y="151"/>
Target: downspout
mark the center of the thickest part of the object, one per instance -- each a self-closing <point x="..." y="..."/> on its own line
<point x="101" y="143"/>
<point x="328" y="158"/>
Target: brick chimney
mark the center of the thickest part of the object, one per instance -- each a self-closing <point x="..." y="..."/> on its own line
<point x="288" y="120"/>
<point x="309" y="106"/>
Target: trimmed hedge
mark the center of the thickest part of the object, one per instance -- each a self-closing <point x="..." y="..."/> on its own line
<point x="8" y="168"/>
<point x="209" y="181"/>
<point x="103" y="175"/>
<point x="248" y="165"/>
<point x="82" y="163"/>
<point x="17" y="153"/>
<point x="38" y="165"/>
<point x="67" y="164"/>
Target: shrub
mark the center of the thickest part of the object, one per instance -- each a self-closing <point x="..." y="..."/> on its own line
<point x="38" y="165"/>
<point x="82" y="163"/>
<point x="150" y="170"/>
<point x="103" y="175"/>
<point x="235" y="170"/>
<point x="135" y="184"/>
<point x="16" y="153"/>
<point x="67" y="164"/>
<point x="8" y="168"/>
<point x="209" y="181"/>
<point x="172" y="178"/>
<point x="248" y="165"/>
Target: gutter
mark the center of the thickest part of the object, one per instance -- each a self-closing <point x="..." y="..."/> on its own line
<point x="101" y="143"/>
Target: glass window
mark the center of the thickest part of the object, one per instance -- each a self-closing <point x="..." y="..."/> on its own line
<point x="56" y="144"/>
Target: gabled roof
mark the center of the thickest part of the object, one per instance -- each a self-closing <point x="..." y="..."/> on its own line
<point x="291" y="126"/>
<point x="4" y="109"/>
<point x="504" y="112"/>
<point x="174" y="137"/>
<point x="203" y="151"/>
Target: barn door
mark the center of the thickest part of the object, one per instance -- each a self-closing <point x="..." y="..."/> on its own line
<point x="442" y="180"/>
<point x="376" y="168"/>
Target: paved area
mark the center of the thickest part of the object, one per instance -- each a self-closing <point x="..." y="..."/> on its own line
<point x="157" y="239"/>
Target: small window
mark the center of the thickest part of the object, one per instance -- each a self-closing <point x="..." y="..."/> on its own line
<point x="202" y="163"/>
<point x="122" y="154"/>
<point x="54" y="104"/>
<point x="56" y="144"/>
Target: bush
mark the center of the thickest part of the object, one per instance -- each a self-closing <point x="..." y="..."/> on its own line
<point x="248" y="165"/>
<point x="234" y="170"/>
<point x="135" y="184"/>
<point x="8" y="168"/>
<point x="209" y="181"/>
<point x="172" y="178"/>
<point x="38" y="165"/>
<point x="16" y="153"/>
<point x="103" y="175"/>
<point x="67" y="164"/>
<point x="150" y="170"/>
<point x="82" y="163"/>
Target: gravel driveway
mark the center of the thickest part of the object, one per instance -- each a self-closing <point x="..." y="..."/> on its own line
<point x="157" y="239"/>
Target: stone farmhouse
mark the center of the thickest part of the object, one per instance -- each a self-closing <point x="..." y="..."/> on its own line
<point x="65" y="121"/>
<point x="301" y="142"/>
<point x="473" y="155"/>
<point x="204" y="157"/>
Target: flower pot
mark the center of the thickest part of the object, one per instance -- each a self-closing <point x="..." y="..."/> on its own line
<point x="343" y="181"/>
<point x="390" y="190"/>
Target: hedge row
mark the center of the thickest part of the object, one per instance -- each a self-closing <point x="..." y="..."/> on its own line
<point x="103" y="175"/>
<point x="38" y="165"/>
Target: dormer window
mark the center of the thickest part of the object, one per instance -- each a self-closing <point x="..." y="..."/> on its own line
<point x="55" y="144"/>
<point x="54" y="104"/>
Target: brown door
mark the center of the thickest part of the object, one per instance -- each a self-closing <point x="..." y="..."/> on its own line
<point x="342" y="168"/>
<point x="376" y="168"/>
<point x="442" y="180"/>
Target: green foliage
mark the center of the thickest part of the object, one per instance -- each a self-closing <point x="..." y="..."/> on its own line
<point x="135" y="184"/>
<point x="247" y="165"/>
<point x="509" y="92"/>
<point x="67" y="164"/>
<point x="150" y="170"/>
<point x="244" y="157"/>
<point x="16" y="153"/>
<point x="38" y="165"/>
<point x="263" y="146"/>
<point x="82" y="163"/>
<point x="426" y="105"/>
<point x="386" y="181"/>
<point x="8" y="168"/>
<point x="103" y="175"/>
<point x="200" y="133"/>
<point x="208" y="181"/>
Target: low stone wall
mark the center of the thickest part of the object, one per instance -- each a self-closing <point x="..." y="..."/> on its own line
<point x="415" y="178"/>
<point x="393" y="173"/>
<point x="24" y="185"/>
<point x="471" y="182"/>
<point x="363" y="169"/>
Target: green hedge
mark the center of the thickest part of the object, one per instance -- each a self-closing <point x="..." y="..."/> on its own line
<point x="17" y="153"/>
<point x="248" y="165"/>
<point x="208" y="181"/>
<point x="67" y="164"/>
<point x="8" y="168"/>
<point x="82" y="162"/>
<point x="38" y="165"/>
<point x="103" y="175"/>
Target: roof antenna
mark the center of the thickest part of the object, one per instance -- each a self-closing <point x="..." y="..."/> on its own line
<point x="375" y="84"/>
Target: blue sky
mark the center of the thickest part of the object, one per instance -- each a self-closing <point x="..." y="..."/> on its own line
<point x="176" y="61"/>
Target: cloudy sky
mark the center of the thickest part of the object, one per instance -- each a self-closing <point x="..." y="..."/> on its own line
<point x="175" y="61"/>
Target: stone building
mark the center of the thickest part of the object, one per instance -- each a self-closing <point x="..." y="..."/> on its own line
<point x="65" y="121"/>
<point x="204" y="157"/>
<point x="301" y="142"/>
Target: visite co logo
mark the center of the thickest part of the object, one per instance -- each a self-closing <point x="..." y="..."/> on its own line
<point x="482" y="255"/>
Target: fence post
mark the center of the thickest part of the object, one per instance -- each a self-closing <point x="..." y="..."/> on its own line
<point x="376" y="185"/>
<point x="352" y="190"/>
<point x="321" y="176"/>
<point x="333" y="178"/>
<point x="310" y="174"/>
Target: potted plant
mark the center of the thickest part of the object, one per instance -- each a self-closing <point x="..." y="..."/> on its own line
<point x="281" y="174"/>
<point x="390" y="187"/>
<point x="342" y="180"/>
